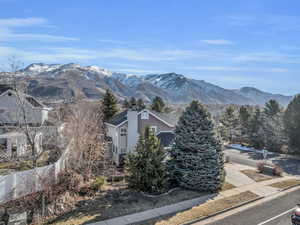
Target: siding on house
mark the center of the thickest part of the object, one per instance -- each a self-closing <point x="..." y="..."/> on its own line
<point x="10" y="111"/>
<point x="152" y="121"/>
<point x="122" y="139"/>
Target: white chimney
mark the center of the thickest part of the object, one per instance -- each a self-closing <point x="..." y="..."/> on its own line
<point x="132" y="132"/>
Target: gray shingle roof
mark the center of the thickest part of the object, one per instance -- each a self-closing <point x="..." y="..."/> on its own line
<point x="118" y="118"/>
<point x="122" y="116"/>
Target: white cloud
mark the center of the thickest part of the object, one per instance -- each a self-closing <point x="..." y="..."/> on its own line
<point x="218" y="42"/>
<point x="8" y="34"/>
<point x="37" y="37"/>
<point x="23" y="22"/>
<point x="224" y="68"/>
<point x="137" y="71"/>
<point x="111" y="41"/>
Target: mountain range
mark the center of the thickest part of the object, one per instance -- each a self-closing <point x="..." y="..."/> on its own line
<point x="57" y="81"/>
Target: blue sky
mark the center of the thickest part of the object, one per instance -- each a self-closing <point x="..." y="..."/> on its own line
<point x="231" y="43"/>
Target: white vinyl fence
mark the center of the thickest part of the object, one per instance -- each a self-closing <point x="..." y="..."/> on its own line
<point x="22" y="183"/>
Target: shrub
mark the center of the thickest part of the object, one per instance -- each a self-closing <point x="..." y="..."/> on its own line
<point x="260" y="166"/>
<point x="70" y="181"/>
<point x="277" y="171"/>
<point x="99" y="183"/>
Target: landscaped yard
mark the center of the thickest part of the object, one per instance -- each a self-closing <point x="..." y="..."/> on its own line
<point x="208" y="208"/>
<point x="227" y="186"/>
<point x="16" y="166"/>
<point x="286" y="183"/>
<point x="118" y="202"/>
<point x="256" y="176"/>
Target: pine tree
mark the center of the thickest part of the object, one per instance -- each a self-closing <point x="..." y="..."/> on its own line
<point x="255" y="127"/>
<point x="109" y="105"/>
<point x="158" y="104"/>
<point x="147" y="171"/>
<point x="244" y="119"/>
<point x="140" y="104"/>
<point x="292" y="123"/>
<point x="273" y="131"/>
<point x="272" y="108"/>
<point x="126" y="104"/>
<point x="132" y="103"/>
<point x="197" y="158"/>
<point x="230" y="123"/>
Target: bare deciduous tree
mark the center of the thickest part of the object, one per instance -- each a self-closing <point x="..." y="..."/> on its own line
<point x="85" y="127"/>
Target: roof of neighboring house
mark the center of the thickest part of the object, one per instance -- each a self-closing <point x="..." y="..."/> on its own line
<point x="4" y="88"/>
<point x="118" y="118"/>
<point x="166" y="138"/>
<point x="35" y="103"/>
<point x="122" y="117"/>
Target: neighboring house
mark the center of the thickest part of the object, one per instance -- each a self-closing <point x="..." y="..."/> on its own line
<point x="125" y="128"/>
<point x="13" y="106"/>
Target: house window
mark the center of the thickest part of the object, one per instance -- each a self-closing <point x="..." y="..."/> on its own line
<point x="145" y="115"/>
<point x="2" y="110"/>
<point x="153" y="129"/>
<point x="123" y="132"/>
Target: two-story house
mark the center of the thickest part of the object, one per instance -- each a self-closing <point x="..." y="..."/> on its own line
<point x="125" y="128"/>
<point x="13" y="107"/>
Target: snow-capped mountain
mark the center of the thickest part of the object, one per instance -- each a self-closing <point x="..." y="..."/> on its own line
<point x="52" y="70"/>
<point x="67" y="80"/>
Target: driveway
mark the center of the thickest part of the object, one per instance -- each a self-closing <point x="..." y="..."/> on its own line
<point x="290" y="164"/>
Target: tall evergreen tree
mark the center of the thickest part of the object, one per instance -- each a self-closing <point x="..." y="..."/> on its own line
<point x="140" y="104"/>
<point x="272" y="108"/>
<point x="244" y="117"/>
<point x="158" y="104"/>
<point x="147" y="171"/>
<point x="273" y="131"/>
<point x="255" y="126"/>
<point x="292" y="123"/>
<point x="197" y="157"/>
<point x="126" y="104"/>
<point x="133" y="103"/>
<point x="109" y="105"/>
<point x="230" y="123"/>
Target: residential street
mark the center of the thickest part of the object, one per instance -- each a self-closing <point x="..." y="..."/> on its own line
<point x="251" y="158"/>
<point x="274" y="212"/>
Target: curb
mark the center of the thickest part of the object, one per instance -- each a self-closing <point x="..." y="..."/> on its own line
<point x="290" y="187"/>
<point x="222" y="211"/>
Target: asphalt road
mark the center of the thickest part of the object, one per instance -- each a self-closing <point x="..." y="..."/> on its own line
<point x="274" y="212"/>
<point x="289" y="165"/>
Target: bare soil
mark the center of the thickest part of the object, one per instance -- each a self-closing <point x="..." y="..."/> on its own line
<point x="256" y="176"/>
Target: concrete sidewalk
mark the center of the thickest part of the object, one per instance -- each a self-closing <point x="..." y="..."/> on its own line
<point x="157" y="212"/>
<point x="241" y="181"/>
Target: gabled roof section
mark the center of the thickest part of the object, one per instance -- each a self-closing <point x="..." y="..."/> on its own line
<point x="119" y="118"/>
<point x="31" y="100"/>
<point x="4" y="88"/>
<point x="166" y="118"/>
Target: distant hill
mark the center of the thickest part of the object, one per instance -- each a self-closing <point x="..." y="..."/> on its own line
<point x="57" y="81"/>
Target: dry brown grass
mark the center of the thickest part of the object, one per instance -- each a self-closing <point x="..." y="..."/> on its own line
<point x="285" y="183"/>
<point x="105" y="206"/>
<point x="256" y="176"/>
<point x="208" y="208"/>
<point x="227" y="186"/>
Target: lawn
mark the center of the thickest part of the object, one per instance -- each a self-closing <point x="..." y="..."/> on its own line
<point x="285" y="183"/>
<point x="227" y="186"/>
<point x="256" y="176"/>
<point x="119" y="202"/>
<point x="208" y="208"/>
